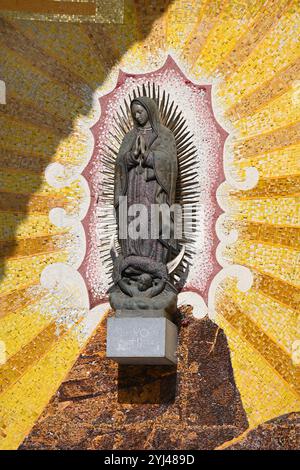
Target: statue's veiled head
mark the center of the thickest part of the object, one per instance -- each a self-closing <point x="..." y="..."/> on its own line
<point x="144" y="112"/>
<point x="139" y="114"/>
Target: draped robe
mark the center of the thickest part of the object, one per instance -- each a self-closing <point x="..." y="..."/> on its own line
<point x="152" y="183"/>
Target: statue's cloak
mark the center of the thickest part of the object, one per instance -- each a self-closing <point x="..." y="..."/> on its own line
<point x="162" y="146"/>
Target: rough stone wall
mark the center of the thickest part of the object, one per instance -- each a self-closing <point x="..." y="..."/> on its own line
<point x="101" y="405"/>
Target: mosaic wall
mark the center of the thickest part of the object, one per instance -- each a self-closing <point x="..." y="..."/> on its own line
<point x="53" y="70"/>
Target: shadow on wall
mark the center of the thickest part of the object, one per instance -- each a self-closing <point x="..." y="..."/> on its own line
<point x="147" y="384"/>
<point x="20" y="55"/>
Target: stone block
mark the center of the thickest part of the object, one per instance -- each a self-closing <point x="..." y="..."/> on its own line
<point x="138" y="340"/>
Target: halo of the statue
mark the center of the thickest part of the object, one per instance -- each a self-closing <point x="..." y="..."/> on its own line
<point x="187" y="187"/>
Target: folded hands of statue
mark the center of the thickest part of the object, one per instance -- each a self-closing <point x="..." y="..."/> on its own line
<point x="140" y="147"/>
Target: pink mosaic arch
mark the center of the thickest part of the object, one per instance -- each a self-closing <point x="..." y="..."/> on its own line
<point x="209" y="137"/>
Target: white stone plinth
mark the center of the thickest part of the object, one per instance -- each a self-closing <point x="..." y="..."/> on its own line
<point x="139" y="340"/>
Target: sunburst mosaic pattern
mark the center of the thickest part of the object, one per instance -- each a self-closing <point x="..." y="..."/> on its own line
<point x="249" y="52"/>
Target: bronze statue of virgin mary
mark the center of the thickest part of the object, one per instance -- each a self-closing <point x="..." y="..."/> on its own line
<point x="153" y="177"/>
<point x="146" y="173"/>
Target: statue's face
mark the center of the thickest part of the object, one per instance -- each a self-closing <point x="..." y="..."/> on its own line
<point x="139" y="114"/>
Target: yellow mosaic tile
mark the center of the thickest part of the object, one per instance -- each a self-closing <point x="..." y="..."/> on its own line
<point x="250" y="51"/>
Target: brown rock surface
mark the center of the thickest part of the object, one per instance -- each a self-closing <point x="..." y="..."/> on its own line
<point x="101" y="405"/>
<point x="282" y="433"/>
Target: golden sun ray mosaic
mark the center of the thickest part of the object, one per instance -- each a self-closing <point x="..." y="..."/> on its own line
<point x="52" y="74"/>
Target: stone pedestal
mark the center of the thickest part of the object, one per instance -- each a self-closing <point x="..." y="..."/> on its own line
<point x="139" y="340"/>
